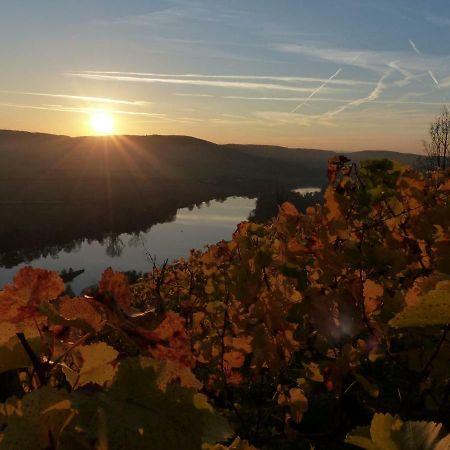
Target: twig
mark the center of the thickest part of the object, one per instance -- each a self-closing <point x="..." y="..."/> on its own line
<point x="37" y="365"/>
<point x="435" y="352"/>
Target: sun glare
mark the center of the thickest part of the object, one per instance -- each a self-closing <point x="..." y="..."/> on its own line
<point x="102" y="122"/>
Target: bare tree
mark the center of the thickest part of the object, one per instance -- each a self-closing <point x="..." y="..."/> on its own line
<point x="437" y="149"/>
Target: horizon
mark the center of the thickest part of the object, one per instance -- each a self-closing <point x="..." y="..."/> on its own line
<point x="352" y="76"/>
<point x="112" y="136"/>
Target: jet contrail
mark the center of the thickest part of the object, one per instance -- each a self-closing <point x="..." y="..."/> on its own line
<point x="433" y="78"/>
<point x="323" y="85"/>
<point x="414" y="47"/>
<point x="316" y="90"/>
<point x="416" y="50"/>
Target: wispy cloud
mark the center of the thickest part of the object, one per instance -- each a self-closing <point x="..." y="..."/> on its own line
<point x="437" y="20"/>
<point x="414" y="47"/>
<point x="402" y="101"/>
<point x="430" y="72"/>
<point x="279" y="78"/>
<point x="181" y="94"/>
<point x="366" y="59"/>
<point x="192" y="82"/>
<point x="327" y="117"/>
<point x="372" y="60"/>
<point x="83" y="98"/>
<point x="61" y="108"/>
<point x="374" y="95"/>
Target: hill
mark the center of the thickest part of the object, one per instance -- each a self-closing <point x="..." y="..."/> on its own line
<point x="56" y="190"/>
<point x="41" y="167"/>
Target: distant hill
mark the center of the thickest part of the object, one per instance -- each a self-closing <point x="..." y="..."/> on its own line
<point x="57" y="190"/>
<point x="318" y="158"/>
<point x="31" y="155"/>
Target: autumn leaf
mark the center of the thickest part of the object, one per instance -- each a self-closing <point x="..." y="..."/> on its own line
<point x="289" y="210"/>
<point x="172" y="342"/>
<point x="372" y="296"/>
<point x="31" y="287"/>
<point x="96" y="365"/>
<point x="116" y="285"/>
<point x="433" y="308"/>
<point x="296" y="401"/>
<point x="77" y="312"/>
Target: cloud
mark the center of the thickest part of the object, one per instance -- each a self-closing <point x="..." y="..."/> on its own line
<point x="192" y="82"/>
<point x="414" y="47"/>
<point x="372" y="60"/>
<point x="429" y="71"/>
<point x="317" y="90"/>
<point x="366" y="59"/>
<point x="61" y="108"/>
<point x="80" y="97"/>
<point x="437" y="20"/>
<point x="445" y="82"/>
<point x="374" y="95"/>
<point x="401" y="101"/>
<point x="181" y="94"/>
<point x="327" y="117"/>
<point x="279" y="78"/>
<point x="433" y="78"/>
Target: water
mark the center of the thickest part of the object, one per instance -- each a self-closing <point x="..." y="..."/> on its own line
<point x="194" y="228"/>
<point x="306" y="190"/>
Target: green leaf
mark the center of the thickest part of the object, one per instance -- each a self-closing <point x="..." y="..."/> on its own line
<point x="36" y="421"/>
<point x="432" y="309"/>
<point x="134" y="413"/>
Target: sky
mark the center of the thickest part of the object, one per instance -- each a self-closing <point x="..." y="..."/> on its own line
<point x="332" y="74"/>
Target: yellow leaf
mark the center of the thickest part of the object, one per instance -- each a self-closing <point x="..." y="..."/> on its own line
<point x="97" y="365"/>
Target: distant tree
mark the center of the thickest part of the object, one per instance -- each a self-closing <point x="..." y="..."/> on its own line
<point x="437" y="149"/>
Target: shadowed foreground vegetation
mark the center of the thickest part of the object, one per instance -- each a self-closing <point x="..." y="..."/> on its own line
<point x="325" y="329"/>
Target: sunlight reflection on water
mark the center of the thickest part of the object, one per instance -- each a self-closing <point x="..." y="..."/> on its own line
<point x="202" y="225"/>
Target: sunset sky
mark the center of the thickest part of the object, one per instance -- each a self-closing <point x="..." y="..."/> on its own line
<point x="335" y="74"/>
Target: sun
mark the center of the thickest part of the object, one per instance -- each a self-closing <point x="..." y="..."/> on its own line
<point x="102" y="122"/>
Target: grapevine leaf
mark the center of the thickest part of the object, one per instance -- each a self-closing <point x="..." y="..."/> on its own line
<point x="431" y="309"/>
<point x="36" y="421"/>
<point x="74" y="312"/>
<point x="97" y="365"/>
<point x="137" y="414"/>
<point x="116" y="284"/>
<point x="31" y="287"/>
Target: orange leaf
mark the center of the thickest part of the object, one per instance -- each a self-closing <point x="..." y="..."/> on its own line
<point x="30" y="288"/>
<point x="288" y="209"/>
<point x="116" y="284"/>
<point x="372" y="296"/>
<point x="234" y="360"/>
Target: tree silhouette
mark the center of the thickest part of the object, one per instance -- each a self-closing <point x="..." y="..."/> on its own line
<point x="437" y="148"/>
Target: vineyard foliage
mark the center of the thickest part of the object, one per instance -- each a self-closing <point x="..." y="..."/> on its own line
<point x="323" y="329"/>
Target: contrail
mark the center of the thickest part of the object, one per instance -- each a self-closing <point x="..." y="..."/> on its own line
<point x="414" y="47"/>
<point x="316" y="90"/>
<point x="374" y="95"/>
<point x="416" y="50"/>
<point x="433" y="78"/>
<point x="323" y="85"/>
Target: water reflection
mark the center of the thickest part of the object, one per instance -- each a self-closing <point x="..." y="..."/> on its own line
<point x="306" y="190"/>
<point x="193" y="227"/>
